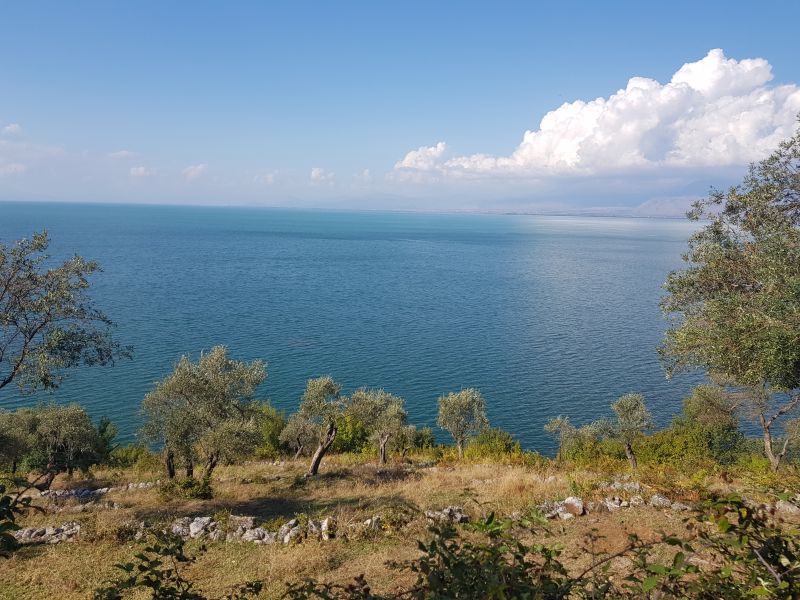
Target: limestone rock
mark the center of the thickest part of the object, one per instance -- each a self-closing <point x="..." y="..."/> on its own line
<point x="660" y="501"/>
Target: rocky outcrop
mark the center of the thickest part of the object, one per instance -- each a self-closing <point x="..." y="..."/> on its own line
<point x="89" y="493"/>
<point x="48" y="535"/>
<point x="243" y="529"/>
<point x="449" y="514"/>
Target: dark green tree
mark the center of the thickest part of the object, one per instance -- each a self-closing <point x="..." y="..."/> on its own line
<point x="734" y="309"/>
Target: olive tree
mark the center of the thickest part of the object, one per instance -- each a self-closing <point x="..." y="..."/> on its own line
<point x="734" y="309"/>
<point x="48" y="321"/>
<point x="205" y="410"/>
<point x="17" y="436"/>
<point x="382" y="413"/>
<point x="462" y="414"/>
<point x="565" y="431"/>
<point x="632" y="420"/>
<point x="299" y="434"/>
<point x="323" y="407"/>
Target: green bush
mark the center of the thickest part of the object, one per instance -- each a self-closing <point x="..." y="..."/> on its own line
<point x="136" y="456"/>
<point x="492" y="443"/>
<point x="691" y="445"/>
<point x="271" y="422"/>
<point x="352" y="436"/>
<point x="187" y="488"/>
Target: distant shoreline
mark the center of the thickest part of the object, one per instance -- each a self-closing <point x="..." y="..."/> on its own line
<point x="543" y="213"/>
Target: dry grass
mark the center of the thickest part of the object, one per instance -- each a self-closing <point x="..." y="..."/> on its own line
<point x="276" y="493"/>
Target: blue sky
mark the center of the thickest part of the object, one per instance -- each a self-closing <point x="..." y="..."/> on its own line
<point x="320" y="103"/>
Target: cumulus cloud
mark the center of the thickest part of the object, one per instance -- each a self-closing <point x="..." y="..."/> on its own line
<point x="714" y="112"/>
<point x="12" y="129"/>
<point x="320" y="176"/>
<point x="141" y="172"/>
<point x="194" y="171"/>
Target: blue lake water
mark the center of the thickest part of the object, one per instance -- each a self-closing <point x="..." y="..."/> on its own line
<point x="545" y="315"/>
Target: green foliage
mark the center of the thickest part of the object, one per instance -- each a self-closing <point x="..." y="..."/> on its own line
<point x="382" y="415"/>
<point x="299" y="434"/>
<point x="53" y="438"/>
<point x="48" y="321"/>
<point x="205" y="410"/>
<point x="352" y="434"/>
<point x="187" y="488"/>
<point x="159" y="569"/>
<point x="271" y="422"/>
<point x="136" y="456"/>
<point x="462" y="414"/>
<point x="492" y="443"/>
<point x="734" y="309"/>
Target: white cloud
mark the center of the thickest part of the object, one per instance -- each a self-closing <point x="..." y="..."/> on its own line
<point x="320" y="176"/>
<point x="12" y="129"/>
<point x="194" y="171"/>
<point x="714" y="112"/>
<point x="12" y="169"/>
<point x="121" y="154"/>
<point x="141" y="172"/>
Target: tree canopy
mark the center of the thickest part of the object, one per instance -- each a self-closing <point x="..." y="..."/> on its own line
<point x="205" y="410"/>
<point x="383" y="415"/>
<point x="48" y="321"/>
<point x="734" y="309"/>
<point x="462" y="414"/>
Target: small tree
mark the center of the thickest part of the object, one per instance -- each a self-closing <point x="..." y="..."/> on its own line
<point x="64" y="438"/>
<point x="382" y="413"/>
<point x="299" y="433"/>
<point x="205" y="410"/>
<point x="17" y="436"/>
<point x="462" y="414"/>
<point x="565" y="432"/>
<point x="735" y="307"/>
<point x="48" y="321"/>
<point x="633" y="419"/>
<point x="322" y="406"/>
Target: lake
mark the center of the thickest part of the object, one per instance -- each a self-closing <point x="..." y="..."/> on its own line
<point x="545" y="315"/>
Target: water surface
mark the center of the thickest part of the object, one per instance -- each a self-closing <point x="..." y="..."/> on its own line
<point x="545" y="315"/>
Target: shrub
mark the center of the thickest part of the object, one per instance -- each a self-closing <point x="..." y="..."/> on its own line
<point x="492" y="443"/>
<point x="352" y="435"/>
<point x="136" y="456"/>
<point x="188" y="488"/>
<point x="271" y="422"/>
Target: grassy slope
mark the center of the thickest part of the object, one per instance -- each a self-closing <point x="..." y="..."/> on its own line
<point x="351" y="493"/>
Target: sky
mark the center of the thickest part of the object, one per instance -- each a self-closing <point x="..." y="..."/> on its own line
<point x="615" y="107"/>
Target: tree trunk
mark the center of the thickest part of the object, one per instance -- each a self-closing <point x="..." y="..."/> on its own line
<point x="211" y="463"/>
<point x="14" y="467"/>
<point x="299" y="450"/>
<point x="382" y="450"/>
<point x="169" y="463"/>
<point x="189" y="468"/>
<point x="631" y="456"/>
<point x="460" y="446"/>
<point x="323" y="447"/>
<point x="774" y="461"/>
